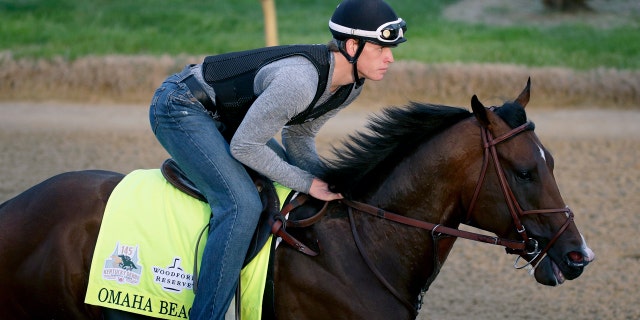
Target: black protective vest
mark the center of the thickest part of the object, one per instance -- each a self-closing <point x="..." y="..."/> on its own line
<point x="232" y="75"/>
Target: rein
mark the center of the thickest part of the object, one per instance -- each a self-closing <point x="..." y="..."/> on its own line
<point x="527" y="245"/>
<point x="380" y="213"/>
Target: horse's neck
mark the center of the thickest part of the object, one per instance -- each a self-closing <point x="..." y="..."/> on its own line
<point x="433" y="183"/>
<point x="405" y="255"/>
<point x="426" y="186"/>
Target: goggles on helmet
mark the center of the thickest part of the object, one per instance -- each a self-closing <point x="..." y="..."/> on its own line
<point x="389" y="32"/>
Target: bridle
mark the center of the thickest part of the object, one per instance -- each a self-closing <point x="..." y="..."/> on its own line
<point x="526" y="247"/>
<point x="530" y="244"/>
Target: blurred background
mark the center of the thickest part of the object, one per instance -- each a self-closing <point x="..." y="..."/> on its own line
<point x="76" y="77"/>
<point x="577" y="51"/>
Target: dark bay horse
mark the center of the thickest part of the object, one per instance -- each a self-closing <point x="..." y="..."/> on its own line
<point x="412" y="179"/>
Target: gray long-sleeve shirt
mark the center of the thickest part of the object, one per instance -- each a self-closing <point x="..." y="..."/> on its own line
<point x="284" y="88"/>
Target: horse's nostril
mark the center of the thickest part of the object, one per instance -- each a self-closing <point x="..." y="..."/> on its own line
<point x="575" y="256"/>
<point x="576" y="259"/>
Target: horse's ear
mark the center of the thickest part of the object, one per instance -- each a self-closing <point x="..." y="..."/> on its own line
<point x="523" y="98"/>
<point x="479" y="111"/>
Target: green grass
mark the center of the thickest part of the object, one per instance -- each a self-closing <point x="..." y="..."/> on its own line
<point x="77" y="28"/>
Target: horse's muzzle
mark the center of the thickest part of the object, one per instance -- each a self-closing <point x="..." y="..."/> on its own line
<point x="553" y="272"/>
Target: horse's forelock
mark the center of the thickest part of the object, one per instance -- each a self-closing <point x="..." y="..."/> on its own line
<point x="512" y="113"/>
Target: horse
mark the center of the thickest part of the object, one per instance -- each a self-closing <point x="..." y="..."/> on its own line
<point x="410" y="180"/>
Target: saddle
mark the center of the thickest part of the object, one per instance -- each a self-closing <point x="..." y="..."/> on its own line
<point x="270" y="202"/>
<point x="297" y="212"/>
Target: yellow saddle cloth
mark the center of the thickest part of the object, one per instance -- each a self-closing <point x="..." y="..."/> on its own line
<point x="144" y="258"/>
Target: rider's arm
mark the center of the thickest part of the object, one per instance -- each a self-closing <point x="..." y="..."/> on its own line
<point x="285" y="88"/>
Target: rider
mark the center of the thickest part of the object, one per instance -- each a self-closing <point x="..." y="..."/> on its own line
<point x="216" y="117"/>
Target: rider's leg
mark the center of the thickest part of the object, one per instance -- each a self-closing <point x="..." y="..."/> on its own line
<point x="191" y="137"/>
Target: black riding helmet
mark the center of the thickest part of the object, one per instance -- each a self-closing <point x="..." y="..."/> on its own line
<point x="366" y="21"/>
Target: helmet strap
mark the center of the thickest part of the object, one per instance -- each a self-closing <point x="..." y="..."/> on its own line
<point x="353" y="59"/>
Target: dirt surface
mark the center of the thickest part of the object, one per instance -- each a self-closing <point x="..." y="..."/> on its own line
<point x="597" y="169"/>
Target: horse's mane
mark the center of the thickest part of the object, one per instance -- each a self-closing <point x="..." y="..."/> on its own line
<point x="389" y="137"/>
<point x="392" y="136"/>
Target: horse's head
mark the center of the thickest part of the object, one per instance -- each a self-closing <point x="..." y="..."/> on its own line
<point x="426" y="162"/>
<point x="517" y="196"/>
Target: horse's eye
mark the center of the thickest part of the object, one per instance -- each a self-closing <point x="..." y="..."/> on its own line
<point x="525" y="175"/>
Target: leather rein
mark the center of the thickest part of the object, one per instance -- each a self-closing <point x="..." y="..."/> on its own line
<point x="527" y="245"/>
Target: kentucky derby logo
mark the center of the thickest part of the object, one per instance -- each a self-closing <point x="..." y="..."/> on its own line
<point x="123" y="265"/>
<point x="173" y="278"/>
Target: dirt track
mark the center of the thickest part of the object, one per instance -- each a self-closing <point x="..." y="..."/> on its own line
<point x="597" y="168"/>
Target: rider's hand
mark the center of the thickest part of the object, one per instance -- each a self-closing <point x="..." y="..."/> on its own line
<point x="320" y="190"/>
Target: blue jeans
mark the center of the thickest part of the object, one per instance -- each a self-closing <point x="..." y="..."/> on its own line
<point x="193" y="139"/>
